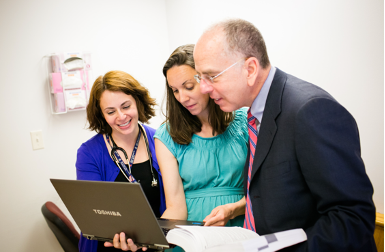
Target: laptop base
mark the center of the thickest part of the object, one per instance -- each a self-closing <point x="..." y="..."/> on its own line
<point x="159" y="247"/>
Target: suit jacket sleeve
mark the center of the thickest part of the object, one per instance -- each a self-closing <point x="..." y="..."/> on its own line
<point x="328" y="151"/>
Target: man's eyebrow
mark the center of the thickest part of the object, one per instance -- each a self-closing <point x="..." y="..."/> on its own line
<point x="208" y="72"/>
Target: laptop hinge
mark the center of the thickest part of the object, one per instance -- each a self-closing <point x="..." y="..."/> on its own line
<point x="89" y="237"/>
<point x="93" y="237"/>
<point x="162" y="246"/>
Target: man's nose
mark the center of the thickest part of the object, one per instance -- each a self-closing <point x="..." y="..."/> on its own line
<point x="205" y="87"/>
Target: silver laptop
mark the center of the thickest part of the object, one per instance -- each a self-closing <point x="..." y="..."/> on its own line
<point x="101" y="209"/>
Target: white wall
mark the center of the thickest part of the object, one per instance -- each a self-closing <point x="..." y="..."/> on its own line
<point x="122" y="35"/>
<point x="337" y="45"/>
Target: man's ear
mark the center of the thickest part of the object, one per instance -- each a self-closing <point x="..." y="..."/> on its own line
<point x="252" y="68"/>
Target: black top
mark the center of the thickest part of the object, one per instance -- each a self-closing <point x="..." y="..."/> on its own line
<point x="142" y="174"/>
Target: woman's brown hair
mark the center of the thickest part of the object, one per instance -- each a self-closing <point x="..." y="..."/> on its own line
<point x="117" y="81"/>
<point x="181" y="123"/>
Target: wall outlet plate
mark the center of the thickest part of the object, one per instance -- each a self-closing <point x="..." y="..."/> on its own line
<point x="37" y="140"/>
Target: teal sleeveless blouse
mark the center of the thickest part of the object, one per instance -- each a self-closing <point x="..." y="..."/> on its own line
<point x="211" y="168"/>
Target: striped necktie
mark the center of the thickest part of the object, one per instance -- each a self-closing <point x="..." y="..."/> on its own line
<point x="249" y="217"/>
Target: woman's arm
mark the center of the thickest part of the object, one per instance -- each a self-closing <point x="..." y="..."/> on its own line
<point x="220" y="215"/>
<point x="173" y="187"/>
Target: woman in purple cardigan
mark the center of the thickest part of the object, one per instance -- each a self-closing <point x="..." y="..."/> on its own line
<point x="123" y="150"/>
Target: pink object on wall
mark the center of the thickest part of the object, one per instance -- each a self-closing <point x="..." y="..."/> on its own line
<point x="55" y="83"/>
<point x="59" y="103"/>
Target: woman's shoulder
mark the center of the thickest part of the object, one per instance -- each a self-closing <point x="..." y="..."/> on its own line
<point x="162" y="131"/>
<point x="164" y="136"/>
<point x="94" y="148"/>
<point x="93" y="142"/>
<point x="237" y="129"/>
<point x="95" y="139"/>
<point x="241" y="114"/>
<point x="149" y="130"/>
<point x="240" y="118"/>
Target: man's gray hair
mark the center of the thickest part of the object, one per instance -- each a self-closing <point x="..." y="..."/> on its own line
<point x="243" y="37"/>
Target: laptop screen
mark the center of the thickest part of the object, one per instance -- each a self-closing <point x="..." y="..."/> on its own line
<point x="101" y="209"/>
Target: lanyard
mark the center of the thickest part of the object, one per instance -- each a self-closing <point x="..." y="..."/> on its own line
<point x="118" y="160"/>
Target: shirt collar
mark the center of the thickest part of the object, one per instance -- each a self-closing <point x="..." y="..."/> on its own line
<point x="258" y="105"/>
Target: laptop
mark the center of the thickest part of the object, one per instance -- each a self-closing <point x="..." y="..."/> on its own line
<point x="101" y="209"/>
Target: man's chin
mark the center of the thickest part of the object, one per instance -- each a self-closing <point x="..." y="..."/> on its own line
<point x="227" y="108"/>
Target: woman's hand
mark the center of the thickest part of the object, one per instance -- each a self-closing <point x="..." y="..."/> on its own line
<point x="220" y="215"/>
<point x="120" y="242"/>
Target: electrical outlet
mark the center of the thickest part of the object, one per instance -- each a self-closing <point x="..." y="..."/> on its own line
<point x="37" y="140"/>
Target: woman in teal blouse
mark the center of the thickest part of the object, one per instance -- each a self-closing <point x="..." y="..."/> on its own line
<point x="201" y="150"/>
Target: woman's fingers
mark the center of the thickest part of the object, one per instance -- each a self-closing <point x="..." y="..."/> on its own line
<point x="120" y="242"/>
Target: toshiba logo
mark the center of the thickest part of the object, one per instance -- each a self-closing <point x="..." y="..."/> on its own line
<point x="104" y="212"/>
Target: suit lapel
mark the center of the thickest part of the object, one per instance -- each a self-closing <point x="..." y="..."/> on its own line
<point x="268" y="126"/>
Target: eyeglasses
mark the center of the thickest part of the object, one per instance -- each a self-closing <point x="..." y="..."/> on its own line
<point x="209" y="79"/>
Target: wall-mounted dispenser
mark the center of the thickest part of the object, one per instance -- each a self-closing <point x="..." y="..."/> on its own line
<point x="70" y="76"/>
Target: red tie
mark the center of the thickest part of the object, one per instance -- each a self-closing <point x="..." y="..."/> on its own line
<point x="249" y="217"/>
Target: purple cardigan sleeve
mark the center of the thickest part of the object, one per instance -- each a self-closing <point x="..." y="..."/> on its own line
<point x="94" y="163"/>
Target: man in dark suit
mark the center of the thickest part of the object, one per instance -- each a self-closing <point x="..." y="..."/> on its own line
<point x="306" y="170"/>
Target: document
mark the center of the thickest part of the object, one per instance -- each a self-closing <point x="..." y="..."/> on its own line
<point x="215" y="239"/>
